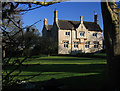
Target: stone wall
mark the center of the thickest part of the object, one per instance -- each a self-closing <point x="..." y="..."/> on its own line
<point x="81" y="41"/>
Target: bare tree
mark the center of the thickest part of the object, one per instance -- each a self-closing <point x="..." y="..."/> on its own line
<point x="9" y="10"/>
<point x="110" y="13"/>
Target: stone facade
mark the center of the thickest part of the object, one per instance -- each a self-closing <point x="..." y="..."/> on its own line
<point x="74" y="36"/>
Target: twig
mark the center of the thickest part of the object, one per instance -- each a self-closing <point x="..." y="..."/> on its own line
<point x="33" y="24"/>
<point x="15" y="68"/>
<point x="26" y="27"/>
<point x="15" y="23"/>
<point x="38" y="3"/>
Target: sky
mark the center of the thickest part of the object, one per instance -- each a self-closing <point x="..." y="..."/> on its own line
<point x="66" y="11"/>
<point x="80" y="0"/>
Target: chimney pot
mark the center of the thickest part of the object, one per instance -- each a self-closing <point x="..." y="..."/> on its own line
<point x="96" y="18"/>
<point x="56" y="16"/>
<point x="81" y="19"/>
<point x="45" y="21"/>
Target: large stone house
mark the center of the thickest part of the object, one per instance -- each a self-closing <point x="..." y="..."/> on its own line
<point x="74" y="36"/>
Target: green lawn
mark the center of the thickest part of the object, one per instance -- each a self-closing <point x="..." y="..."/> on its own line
<point x="74" y="72"/>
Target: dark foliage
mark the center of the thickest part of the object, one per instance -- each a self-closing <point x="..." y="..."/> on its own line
<point x="16" y="41"/>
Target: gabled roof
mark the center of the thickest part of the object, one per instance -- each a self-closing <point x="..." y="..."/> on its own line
<point x="92" y="26"/>
<point x="49" y="27"/>
<point x="68" y="25"/>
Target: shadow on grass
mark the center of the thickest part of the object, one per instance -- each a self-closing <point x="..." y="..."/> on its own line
<point x="85" y="68"/>
<point x="76" y="68"/>
<point x="95" y="82"/>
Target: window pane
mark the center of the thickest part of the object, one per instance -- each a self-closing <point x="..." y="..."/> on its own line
<point x="87" y="44"/>
<point x="95" y="34"/>
<point x="67" y="33"/>
<point x="82" y="34"/>
<point x="96" y="44"/>
<point x="75" y="44"/>
<point x="66" y="44"/>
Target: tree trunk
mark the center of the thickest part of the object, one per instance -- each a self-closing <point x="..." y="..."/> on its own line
<point x="110" y="13"/>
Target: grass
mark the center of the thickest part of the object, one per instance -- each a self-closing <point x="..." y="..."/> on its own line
<point x="65" y="60"/>
<point x="74" y="72"/>
<point x="100" y="54"/>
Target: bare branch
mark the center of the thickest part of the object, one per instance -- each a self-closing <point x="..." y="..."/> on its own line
<point x="27" y="27"/>
<point x="15" y="68"/>
<point x="33" y="24"/>
<point x="15" y="23"/>
<point x="37" y="3"/>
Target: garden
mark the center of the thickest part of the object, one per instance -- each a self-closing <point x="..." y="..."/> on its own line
<point x="70" y="71"/>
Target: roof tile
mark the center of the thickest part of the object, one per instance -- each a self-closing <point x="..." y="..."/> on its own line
<point x="68" y="25"/>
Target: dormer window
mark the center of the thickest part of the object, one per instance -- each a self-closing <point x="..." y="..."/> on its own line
<point x="82" y="34"/>
<point x="67" y="33"/>
<point x="95" y="34"/>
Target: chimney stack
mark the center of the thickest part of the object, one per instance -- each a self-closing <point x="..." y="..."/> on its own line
<point x="96" y="18"/>
<point x="45" y="21"/>
<point x="81" y="19"/>
<point x="56" y="16"/>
